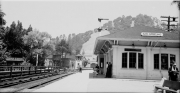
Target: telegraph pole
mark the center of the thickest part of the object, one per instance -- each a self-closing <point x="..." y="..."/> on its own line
<point x="169" y="21"/>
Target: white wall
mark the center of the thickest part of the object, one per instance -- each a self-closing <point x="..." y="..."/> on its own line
<point x="148" y="71"/>
<point x="155" y="74"/>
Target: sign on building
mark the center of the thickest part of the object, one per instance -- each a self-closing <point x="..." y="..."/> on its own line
<point x="151" y="34"/>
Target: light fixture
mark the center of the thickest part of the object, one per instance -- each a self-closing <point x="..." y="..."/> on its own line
<point x="165" y="46"/>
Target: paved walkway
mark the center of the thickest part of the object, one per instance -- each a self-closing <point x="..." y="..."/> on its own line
<point x="84" y="82"/>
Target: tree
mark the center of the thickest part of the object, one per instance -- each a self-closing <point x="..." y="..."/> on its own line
<point x="122" y="23"/>
<point x="2" y="14"/>
<point x="176" y="2"/>
<point x="62" y="48"/>
<point x="38" y="43"/>
<point x="144" y="20"/>
<point x="109" y="26"/>
<point x="13" y="40"/>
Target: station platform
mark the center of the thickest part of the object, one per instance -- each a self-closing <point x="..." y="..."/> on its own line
<point x="85" y="82"/>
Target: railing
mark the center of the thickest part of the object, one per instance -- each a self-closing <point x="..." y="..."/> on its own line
<point x="10" y="71"/>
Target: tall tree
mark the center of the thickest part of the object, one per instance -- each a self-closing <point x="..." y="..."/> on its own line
<point x="13" y="39"/>
<point x="38" y="44"/>
<point x="2" y="14"/>
<point x="62" y="48"/>
<point x="3" y="55"/>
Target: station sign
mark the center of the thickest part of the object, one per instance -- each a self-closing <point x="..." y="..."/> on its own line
<point x="151" y="34"/>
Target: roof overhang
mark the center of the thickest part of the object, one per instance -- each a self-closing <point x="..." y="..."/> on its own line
<point x="100" y="43"/>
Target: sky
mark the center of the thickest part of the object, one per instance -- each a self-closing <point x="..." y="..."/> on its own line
<point x="76" y="16"/>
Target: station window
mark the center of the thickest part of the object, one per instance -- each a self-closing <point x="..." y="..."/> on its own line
<point x="132" y="60"/>
<point x="172" y="58"/>
<point x="156" y="61"/>
<point x="140" y="60"/>
<point x="164" y="60"/>
<point x="124" y="60"/>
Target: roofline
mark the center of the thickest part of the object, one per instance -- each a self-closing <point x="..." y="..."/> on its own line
<point x="125" y="39"/>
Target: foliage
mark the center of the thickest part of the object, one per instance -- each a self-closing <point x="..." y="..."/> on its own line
<point x="176" y="2"/>
<point x="125" y="22"/>
<point x="62" y="48"/>
<point x="38" y="43"/>
<point x="78" y="40"/>
<point x="2" y="14"/>
<point x="3" y="55"/>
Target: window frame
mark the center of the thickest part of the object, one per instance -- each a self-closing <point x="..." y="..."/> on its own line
<point x="160" y="60"/>
<point x="157" y="62"/>
<point x="140" y="62"/>
<point x="162" y="65"/>
<point x="128" y="60"/>
<point x="135" y="64"/>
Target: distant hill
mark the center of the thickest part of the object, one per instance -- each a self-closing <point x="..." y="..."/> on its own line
<point x="78" y="40"/>
<point x="88" y="47"/>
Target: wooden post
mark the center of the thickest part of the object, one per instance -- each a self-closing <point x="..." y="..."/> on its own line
<point x="48" y="69"/>
<point x="21" y="71"/>
<point x="29" y="70"/>
<point x="11" y="71"/>
<point x="52" y="68"/>
<point x="35" y="69"/>
<point x="40" y="69"/>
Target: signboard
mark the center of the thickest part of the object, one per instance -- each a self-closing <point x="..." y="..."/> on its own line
<point x="151" y="34"/>
<point x="14" y="59"/>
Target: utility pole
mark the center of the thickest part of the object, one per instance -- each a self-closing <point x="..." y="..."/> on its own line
<point x="169" y="21"/>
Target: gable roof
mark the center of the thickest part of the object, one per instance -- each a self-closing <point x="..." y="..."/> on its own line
<point x="135" y="33"/>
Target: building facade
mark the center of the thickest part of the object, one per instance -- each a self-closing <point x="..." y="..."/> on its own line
<point x="139" y="52"/>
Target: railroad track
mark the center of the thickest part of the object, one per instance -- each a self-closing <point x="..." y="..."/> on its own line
<point x="31" y="82"/>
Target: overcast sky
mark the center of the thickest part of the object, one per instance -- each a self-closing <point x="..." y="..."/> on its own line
<point x="64" y="17"/>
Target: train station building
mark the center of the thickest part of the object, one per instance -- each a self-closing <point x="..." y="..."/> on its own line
<point x="139" y="52"/>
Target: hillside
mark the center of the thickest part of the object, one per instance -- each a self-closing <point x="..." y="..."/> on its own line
<point x="88" y="47"/>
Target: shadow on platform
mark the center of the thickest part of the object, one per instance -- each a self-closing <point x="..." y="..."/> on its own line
<point x="91" y="76"/>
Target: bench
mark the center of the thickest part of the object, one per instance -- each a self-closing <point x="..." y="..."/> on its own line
<point x="169" y="86"/>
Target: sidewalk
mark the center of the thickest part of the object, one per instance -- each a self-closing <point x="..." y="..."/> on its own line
<point x="84" y="82"/>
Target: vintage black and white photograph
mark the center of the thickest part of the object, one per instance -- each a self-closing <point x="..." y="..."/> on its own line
<point x="56" y="46"/>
